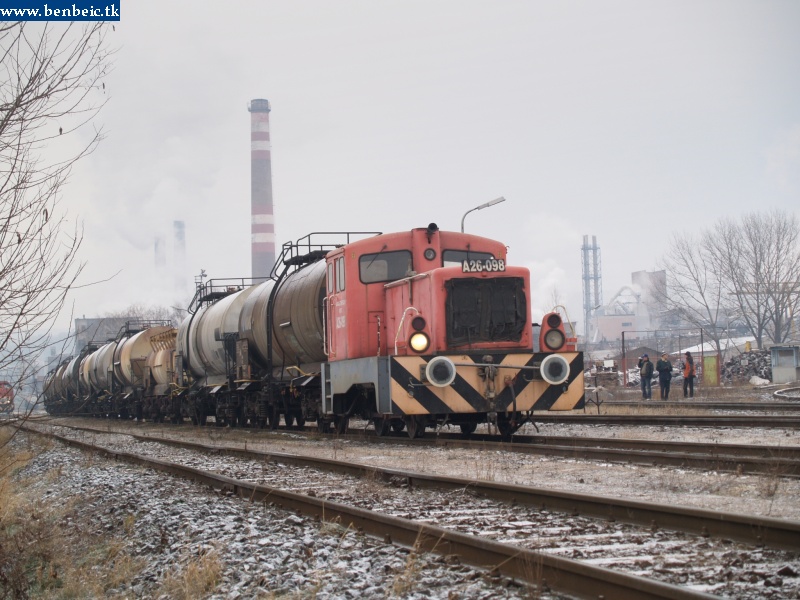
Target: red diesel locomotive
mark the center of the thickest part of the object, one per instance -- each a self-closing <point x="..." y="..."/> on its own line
<point x="6" y="397"/>
<point x="407" y="330"/>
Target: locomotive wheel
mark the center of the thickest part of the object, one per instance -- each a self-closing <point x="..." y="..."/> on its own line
<point x="323" y="426"/>
<point x="301" y="422"/>
<point x="468" y="428"/>
<point x="341" y="424"/>
<point x="415" y="426"/>
<point x="381" y="426"/>
<point x="288" y="419"/>
<point x="397" y="426"/>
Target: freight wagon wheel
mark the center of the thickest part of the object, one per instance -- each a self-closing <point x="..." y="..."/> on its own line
<point x="381" y="426"/>
<point x="415" y="427"/>
<point x="341" y="424"/>
<point x="274" y="416"/>
<point x="468" y="428"/>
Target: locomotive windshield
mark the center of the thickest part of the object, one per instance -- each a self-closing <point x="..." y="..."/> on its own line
<point x="455" y="258"/>
<point x="485" y="310"/>
<point x="384" y="266"/>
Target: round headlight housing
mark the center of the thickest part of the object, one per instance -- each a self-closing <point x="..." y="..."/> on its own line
<point x="429" y="253"/>
<point x="418" y="323"/>
<point x="419" y="342"/>
<point x="553" y="320"/>
<point x="554" y="339"/>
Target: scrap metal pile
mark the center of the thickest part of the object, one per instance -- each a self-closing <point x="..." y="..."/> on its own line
<point x="742" y="367"/>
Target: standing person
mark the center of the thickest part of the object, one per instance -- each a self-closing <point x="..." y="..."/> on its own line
<point x="664" y="368"/>
<point x="688" y="375"/>
<point x="646" y="372"/>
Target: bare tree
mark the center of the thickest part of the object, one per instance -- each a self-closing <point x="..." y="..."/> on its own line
<point x="747" y="270"/>
<point x="759" y="264"/>
<point x="50" y="89"/>
<point x="694" y="291"/>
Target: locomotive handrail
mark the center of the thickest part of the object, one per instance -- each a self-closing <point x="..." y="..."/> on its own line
<point x="311" y="247"/>
<point x="216" y="289"/>
<point x="137" y="325"/>
<point x="325" y="325"/>
<point x="400" y="326"/>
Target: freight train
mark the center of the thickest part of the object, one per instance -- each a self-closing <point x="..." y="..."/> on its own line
<point x="408" y="330"/>
<point x="6" y="397"/>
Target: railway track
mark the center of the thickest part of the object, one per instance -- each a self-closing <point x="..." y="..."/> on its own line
<point x="739" y="458"/>
<point x="488" y="505"/>
<point x="707" y="405"/>
<point x="780" y="461"/>
<point x="764" y="421"/>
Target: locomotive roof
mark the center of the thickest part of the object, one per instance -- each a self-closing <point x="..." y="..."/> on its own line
<point x="455" y="239"/>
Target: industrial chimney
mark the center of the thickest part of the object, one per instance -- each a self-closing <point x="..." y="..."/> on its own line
<point x="262" y="225"/>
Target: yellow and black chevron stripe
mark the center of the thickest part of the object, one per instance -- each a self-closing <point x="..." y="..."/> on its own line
<point x="468" y="393"/>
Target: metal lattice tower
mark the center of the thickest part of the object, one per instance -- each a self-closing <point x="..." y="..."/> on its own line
<point x="592" y="281"/>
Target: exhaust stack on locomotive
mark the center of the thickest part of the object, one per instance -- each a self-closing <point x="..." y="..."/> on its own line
<point x="407" y="330"/>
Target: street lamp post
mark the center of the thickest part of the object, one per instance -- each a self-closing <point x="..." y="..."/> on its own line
<point x="486" y="205"/>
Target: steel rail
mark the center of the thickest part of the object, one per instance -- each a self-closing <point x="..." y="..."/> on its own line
<point x="547" y="571"/>
<point x="776" y="533"/>
<point x="710" y="405"/>
<point x="771" y="460"/>
<point x="750" y="421"/>
<point x="703" y="448"/>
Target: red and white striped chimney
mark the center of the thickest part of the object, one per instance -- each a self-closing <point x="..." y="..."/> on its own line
<point x="262" y="225"/>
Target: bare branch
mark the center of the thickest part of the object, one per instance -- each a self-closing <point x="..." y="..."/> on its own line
<point x="50" y="86"/>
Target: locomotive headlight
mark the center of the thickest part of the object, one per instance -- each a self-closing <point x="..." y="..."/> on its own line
<point x="554" y="369"/>
<point x="418" y="323"/>
<point x="419" y="342"/>
<point x="554" y="339"/>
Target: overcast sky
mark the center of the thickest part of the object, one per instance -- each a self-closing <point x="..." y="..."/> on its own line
<point x="625" y="120"/>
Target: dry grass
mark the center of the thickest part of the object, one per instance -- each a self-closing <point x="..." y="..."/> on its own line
<point x="45" y="551"/>
<point x="198" y="577"/>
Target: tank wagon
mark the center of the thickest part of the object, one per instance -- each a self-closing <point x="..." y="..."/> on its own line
<point x="6" y="397"/>
<point x="407" y="330"/>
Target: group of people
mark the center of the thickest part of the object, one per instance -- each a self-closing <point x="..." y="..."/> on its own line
<point x="664" y="368"/>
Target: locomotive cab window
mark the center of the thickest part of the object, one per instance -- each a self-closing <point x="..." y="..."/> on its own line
<point x="340" y="274"/>
<point x="456" y="258"/>
<point x="384" y="266"/>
